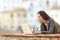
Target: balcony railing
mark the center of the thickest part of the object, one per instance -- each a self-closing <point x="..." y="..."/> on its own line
<point x="29" y="36"/>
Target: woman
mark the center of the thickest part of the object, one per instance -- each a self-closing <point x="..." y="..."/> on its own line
<point x="47" y="23"/>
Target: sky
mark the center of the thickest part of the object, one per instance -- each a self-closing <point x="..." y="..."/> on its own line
<point x="11" y="4"/>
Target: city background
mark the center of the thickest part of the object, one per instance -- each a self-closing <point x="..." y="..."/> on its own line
<point x="52" y="8"/>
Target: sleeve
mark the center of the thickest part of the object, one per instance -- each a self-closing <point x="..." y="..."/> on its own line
<point x="51" y="28"/>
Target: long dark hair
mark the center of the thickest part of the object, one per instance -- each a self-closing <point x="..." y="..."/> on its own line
<point x="44" y="15"/>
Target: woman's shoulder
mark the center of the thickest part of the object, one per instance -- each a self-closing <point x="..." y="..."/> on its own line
<point x="52" y="20"/>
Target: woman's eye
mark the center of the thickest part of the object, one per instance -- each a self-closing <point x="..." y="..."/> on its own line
<point x="38" y="16"/>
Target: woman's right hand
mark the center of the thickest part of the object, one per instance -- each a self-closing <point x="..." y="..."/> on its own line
<point x="36" y="32"/>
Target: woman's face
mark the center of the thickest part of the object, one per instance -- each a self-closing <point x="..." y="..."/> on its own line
<point x="40" y="18"/>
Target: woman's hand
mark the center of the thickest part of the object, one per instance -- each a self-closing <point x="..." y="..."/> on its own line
<point x="36" y="32"/>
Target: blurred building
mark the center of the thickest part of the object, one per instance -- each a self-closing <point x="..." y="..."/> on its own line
<point x="11" y="20"/>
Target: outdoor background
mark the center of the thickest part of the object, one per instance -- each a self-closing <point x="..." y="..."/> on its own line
<point x="52" y="8"/>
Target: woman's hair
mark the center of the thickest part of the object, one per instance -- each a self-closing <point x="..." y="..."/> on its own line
<point x="44" y="15"/>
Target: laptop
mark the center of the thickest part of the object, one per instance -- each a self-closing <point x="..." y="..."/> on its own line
<point x="26" y="28"/>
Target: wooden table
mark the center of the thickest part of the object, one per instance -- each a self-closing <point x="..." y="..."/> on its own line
<point x="30" y="37"/>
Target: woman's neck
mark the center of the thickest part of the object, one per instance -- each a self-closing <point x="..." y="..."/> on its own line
<point x="45" y="23"/>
